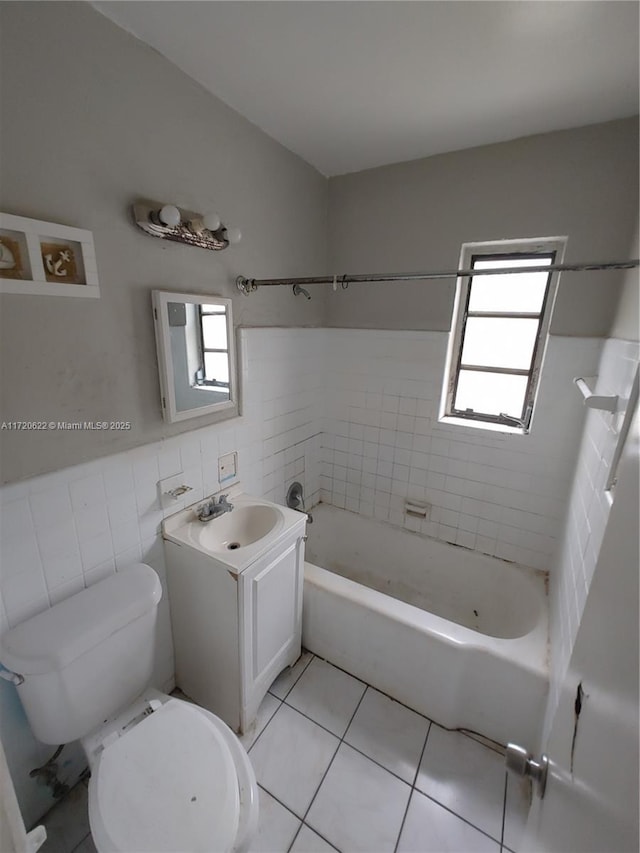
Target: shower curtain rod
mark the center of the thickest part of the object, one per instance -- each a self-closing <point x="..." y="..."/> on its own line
<point x="249" y="285"/>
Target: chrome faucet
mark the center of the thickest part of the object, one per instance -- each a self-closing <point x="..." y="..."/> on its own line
<point x="214" y="508"/>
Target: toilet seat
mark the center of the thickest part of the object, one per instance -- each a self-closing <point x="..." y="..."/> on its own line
<point x="170" y="783"/>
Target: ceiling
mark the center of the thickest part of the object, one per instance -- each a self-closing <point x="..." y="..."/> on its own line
<point x="352" y="85"/>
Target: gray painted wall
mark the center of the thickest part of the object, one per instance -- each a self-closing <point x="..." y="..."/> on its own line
<point x="581" y="183"/>
<point x="626" y="323"/>
<point x="91" y="120"/>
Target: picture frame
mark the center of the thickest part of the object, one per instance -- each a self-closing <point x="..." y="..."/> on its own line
<point x="46" y="259"/>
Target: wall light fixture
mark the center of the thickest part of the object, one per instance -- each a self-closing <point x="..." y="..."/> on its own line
<point x="184" y="226"/>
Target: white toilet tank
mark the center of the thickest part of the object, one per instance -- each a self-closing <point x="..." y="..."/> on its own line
<point x="88" y="656"/>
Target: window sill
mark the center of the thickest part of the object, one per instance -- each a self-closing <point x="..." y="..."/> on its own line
<point x="483" y="425"/>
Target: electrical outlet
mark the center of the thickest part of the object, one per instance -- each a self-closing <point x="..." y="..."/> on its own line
<point x="228" y="468"/>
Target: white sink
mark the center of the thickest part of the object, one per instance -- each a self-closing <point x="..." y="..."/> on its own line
<point x="236" y="538"/>
<point x="243" y="526"/>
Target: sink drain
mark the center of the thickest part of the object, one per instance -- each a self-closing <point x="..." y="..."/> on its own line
<point x="232" y="546"/>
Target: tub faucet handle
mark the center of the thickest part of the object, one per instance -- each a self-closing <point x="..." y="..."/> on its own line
<point x="295" y="500"/>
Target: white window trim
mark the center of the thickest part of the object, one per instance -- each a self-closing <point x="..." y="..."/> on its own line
<point x="538" y="245"/>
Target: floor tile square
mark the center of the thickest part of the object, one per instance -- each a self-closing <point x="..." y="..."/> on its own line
<point x="389" y="733"/>
<point x="430" y="828"/>
<point x="267" y="709"/>
<point x="516" y="811"/>
<point x="327" y="695"/>
<point x="291" y="757"/>
<point x="308" y="841"/>
<point x="464" y="776"/>
<point x="360" y="805"/>
<point x="277" y="826"/>
<point x="86" y="846"/>
<point x="288" y="677"/>
<point x="67" y="823"/>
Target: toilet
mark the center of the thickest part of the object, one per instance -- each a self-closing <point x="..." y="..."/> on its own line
<point x="166" y="775"/>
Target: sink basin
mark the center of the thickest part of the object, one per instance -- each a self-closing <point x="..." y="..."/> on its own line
<point x="243" y="526"/>
<point x="234" y="539"/>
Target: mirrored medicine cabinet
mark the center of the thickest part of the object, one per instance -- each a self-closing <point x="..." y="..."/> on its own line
<point x="196" y="355"/>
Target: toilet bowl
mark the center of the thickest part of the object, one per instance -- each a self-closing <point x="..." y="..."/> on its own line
<point x="166" y="776"/>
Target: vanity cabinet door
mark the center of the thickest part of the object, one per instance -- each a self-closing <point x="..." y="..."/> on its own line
<point x="271" y="612"/>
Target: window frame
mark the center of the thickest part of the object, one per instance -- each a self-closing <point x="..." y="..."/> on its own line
<point x="552" y="248"/>
<point x="202" y="382"/>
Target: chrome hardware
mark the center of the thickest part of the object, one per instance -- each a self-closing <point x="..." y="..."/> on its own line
<point x="521" y="763"/>
<point x="295" y="500"/>
<point x="300" y="291"/>
<point x="213" y="508"/>
<point x="517" y="422"/>
<point x="596" y="401"/>
<point x="246" y="285"/>
<point x="179" y="491"/>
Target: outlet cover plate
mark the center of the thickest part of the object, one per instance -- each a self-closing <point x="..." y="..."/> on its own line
<point x="228" y="468"/>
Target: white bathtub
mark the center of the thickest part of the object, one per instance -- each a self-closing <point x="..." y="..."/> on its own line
<point x="458" y="636"/>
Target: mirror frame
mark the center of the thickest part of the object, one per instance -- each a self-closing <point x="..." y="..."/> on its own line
<point x="160" y="300"/>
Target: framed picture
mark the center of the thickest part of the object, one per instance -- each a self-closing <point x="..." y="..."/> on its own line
<point x="46" y="259"/>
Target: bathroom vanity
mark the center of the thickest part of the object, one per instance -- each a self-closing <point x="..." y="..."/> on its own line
<point x="235" y="590"/>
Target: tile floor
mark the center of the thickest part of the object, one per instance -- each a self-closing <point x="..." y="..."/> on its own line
<point x="342" y="767"/>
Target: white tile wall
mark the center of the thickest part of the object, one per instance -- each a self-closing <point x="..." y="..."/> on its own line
<point x="353" y="415"/>
<point x="587" y="512"/>
<point x="283" y="378"/>
<point x="503" y="495"/>
<point x="66" y="530"/>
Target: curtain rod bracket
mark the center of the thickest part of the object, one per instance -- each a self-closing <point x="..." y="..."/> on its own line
<point x="246" y="285"/>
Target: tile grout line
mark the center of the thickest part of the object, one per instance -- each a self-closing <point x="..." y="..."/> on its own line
<point x="293" y="814"/>
<point x="455" y="814"/>
<point x="468" y="733"/>
<point x="341" y="741"/>
<point x="350" y="745"/>
<point x="88" y="835"/>
<point x="304" y="669"/>
<point x="302" y="823"/>
<point x="413" y="787"/>
<point x="281" y="701"/>
<point x="395" y="775"/>
<point x="260" y="733"/>
<point x="504" y="808"/>
<point x="374" y="760"/>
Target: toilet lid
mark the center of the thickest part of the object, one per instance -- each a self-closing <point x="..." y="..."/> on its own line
<point x="168" y="784"/>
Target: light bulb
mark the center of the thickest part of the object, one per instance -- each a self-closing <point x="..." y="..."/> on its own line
<point x="234" y="235"/>
<point x="211" y="221"/>
<point x="169" y="215"/>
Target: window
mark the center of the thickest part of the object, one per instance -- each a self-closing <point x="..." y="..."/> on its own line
<point x="214" y="368"/>
<point x="499" y="328"/>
